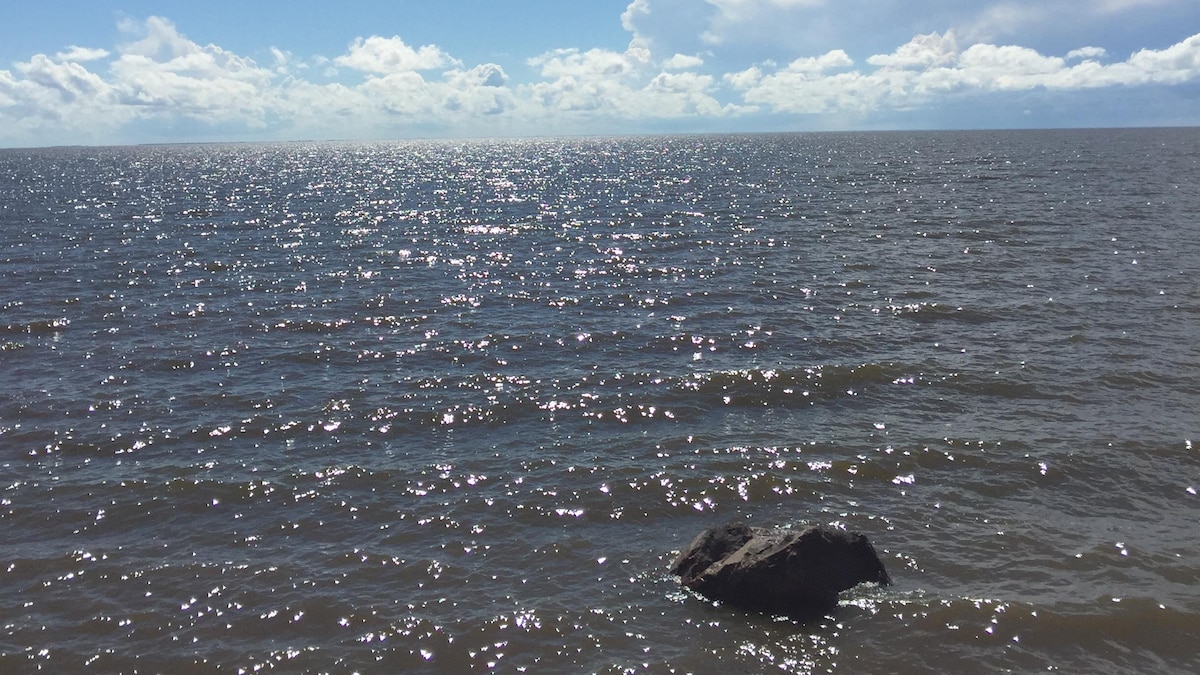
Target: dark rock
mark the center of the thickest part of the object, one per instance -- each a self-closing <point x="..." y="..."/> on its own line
<point x="798" y="573"/>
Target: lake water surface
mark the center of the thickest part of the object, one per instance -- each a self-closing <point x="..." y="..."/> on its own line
<point x="454" y="406"/>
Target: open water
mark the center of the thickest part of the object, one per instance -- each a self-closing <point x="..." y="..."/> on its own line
<point x="453" y="407"/>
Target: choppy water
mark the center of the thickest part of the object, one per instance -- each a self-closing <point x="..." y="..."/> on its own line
<point x="452" y="407"/>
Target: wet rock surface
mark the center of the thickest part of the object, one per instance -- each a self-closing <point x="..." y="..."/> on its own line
<point x="794" y="572"/>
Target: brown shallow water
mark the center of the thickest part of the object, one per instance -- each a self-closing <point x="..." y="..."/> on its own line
<point x="452" y="408"/>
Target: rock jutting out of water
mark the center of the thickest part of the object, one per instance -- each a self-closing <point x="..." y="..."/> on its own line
<point x="797" y="573"/>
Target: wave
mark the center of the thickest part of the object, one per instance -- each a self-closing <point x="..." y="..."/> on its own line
<point x="925" y="312"/>
<point x="38" y="327"/>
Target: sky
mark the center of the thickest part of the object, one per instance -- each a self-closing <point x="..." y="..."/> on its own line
<point x="101" y="72"/>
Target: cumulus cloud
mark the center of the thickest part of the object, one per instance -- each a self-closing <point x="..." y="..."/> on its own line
<point x="159" y="73"/>
<point x="573" y="63"/>
<point x="286" y="62"/>
<point x="683" y="62"/>
<point x="579" y="85"/>
<point x="929" y="66"/>
<point x="681" y="95"/>
<point x="1087" y="53"/>
<point x="384" y="56"/>
<point x="662" y="28"/>
<point x="165" y="73"/>
<point x="156" y="38"/>
<point x="81" y="54"/>
<point x="57" y="99"/>
<point x="486" y="75"/>
<point x="82" y="94"/>
<point x="1178" y="63"/>
<point x="923" y="51"/>
<point x="577" y="81"/>
<point x="70" y="81"/>
<point x="810" y="86"/>
<point x="633" y="12"/>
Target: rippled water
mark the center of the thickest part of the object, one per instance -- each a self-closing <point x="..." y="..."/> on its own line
<point x="452" y="407"/>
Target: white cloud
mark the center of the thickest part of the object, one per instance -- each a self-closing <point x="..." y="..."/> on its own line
<point x="633" y="12"/>
<point x="163" y="74"/>
<point x="1178" y="62"/>
<point x="70" y="81"/>
<point x="481" y="91"/>
<point x="1087" y="53"/>
<point x="683" y="62"/>
<point x="88" y="95"/>
<point x="1008" y="67"/>
<point x="59" y="101"/>
<point x="745" y="79"/>
<point x="486" y="75"/>
<point x="159" y="39"/>
<point x="681" y="94"/>
<point x="805" y="87"/>
<point x="926" y="68"/>
<point x="991" y="62"/>
<point x="9" y="87"/>
<point x="286" y="62"/>
<point x="382" y="56"/>
<point x="388" y="105"/>
<point x="817" y="65"/>
<point x="802" y="86"/>
<point x="923" y="51"/>
<point x="80" y="54"/>
<point x="564" y="63"/>
<point x="575" y="81"/>
<point x="662" y="28"/>
<point x="166" y="74"/>
<point x="580" y="85"/>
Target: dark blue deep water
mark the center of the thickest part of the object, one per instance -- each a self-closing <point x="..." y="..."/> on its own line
<point x="453" y="406"/>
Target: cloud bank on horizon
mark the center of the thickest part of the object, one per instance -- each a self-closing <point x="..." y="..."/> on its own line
<point x="688" y="65"/>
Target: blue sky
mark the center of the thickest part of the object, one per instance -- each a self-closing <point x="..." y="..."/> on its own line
<point x="113" y="72"/>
